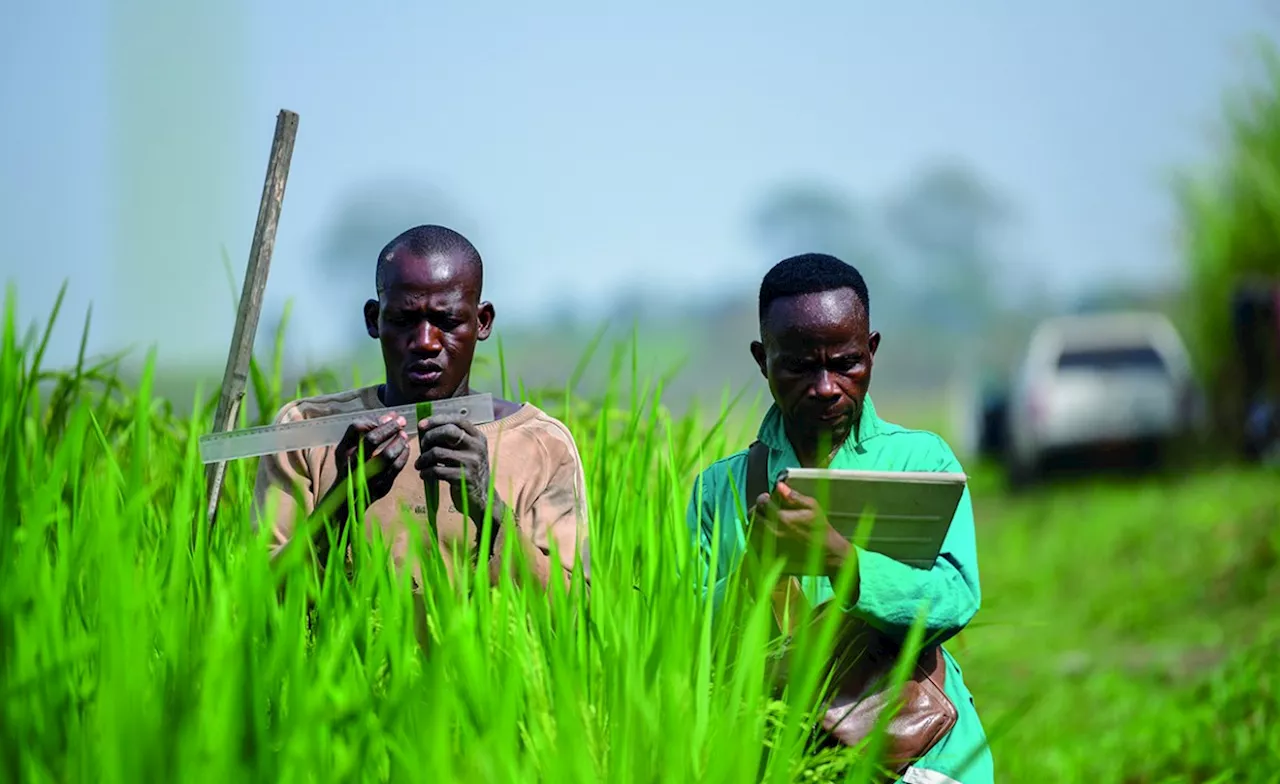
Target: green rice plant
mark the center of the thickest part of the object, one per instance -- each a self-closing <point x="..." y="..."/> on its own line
<point x="137" y="644"/>
<point x="1127" y="635"/>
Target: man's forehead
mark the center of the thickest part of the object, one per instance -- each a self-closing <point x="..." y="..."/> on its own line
<point x="403" y="298"/>
<point x="805" y="347"/>
<point x="434" y="266"/>
<point x="821" y="313"/>
<point x="446" y="274"/>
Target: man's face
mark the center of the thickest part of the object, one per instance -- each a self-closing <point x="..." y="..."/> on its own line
<point x="428" y="320"/>
<point x="816" y="351"/>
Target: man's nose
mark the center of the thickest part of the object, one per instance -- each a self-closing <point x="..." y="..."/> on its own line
<point x="824" y="386"/>
<point x="426" y="338"/>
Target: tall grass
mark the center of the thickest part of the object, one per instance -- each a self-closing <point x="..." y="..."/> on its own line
<point x="1131" y="629"/>
<point x="137" y="644"/>
<point x="1231" y="226"/>
<point x="1128" y="632"/>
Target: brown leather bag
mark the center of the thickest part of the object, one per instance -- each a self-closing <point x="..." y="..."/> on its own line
<point x="863" y="662"/>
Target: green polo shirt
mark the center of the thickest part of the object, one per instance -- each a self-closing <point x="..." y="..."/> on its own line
<point x="890" y="593"/>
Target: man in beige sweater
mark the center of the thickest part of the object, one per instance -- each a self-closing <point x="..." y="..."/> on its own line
<point x="428" y="316"/>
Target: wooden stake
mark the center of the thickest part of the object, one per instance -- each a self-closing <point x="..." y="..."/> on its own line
<point x="236" y="375"/>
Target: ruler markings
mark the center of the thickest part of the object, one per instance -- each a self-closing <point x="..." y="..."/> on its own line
<point x="325" y="431"/>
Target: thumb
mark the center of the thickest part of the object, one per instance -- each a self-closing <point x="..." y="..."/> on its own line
<point x="794" y="499"/>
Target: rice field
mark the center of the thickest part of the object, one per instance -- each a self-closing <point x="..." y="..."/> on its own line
<point x="1128" y="633"/>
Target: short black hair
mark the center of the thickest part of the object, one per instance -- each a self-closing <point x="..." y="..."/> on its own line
<point x="811" y="273"/>
<point x="430" y="240"/>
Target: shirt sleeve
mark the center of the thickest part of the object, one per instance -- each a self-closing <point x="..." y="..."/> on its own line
<point x="697" y="519"/>
<point x="701" y="519"/>
<point x="891" y="594"/>
<point x="557" y="512"/>
<point x="283" y="490"/>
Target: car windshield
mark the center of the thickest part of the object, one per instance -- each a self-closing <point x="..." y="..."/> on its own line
<point x="1142" y="358"/>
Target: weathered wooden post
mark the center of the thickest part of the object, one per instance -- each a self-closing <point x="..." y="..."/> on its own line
<point x="236" y="375"/>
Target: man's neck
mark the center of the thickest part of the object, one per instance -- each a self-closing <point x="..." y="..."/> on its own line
<point x="808" y="447"/>
<point x="809" y="451"/>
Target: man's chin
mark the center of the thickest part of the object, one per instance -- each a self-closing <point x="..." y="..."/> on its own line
<point x="832" y="433"/>
<point x="425" y="393"/>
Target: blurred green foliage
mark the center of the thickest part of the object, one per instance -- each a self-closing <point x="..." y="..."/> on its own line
<point x="1231" y="224"/>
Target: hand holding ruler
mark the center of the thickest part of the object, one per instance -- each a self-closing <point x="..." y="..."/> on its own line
<point x="327" y="431"/>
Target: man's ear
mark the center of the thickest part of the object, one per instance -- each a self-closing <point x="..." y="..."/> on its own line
<point x="757" y="353"/>
<point x="485" y="316"/>
<point x="371" y="318"/>
<point x="873" y="342"/>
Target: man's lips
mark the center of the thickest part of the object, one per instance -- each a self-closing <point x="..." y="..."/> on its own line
<point x="833" y="414"/>
<point x="424" y="374"/>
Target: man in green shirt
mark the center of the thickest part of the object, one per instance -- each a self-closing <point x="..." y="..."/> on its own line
<point x="816" y="350"/>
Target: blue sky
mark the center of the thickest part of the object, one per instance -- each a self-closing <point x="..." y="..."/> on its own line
<point x="591" y="151"/>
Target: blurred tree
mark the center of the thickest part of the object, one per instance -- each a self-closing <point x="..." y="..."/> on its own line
<point x="816" y="217"/>
<point x="947" y="221"/>
<point x="1231" y="238"/>
<point x="1110" y="298"/>
<point x="812" y="217"/>
<point x="368" y="216"/>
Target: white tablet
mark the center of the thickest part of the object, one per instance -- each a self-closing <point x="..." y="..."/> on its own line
<point x="911" y="510"/>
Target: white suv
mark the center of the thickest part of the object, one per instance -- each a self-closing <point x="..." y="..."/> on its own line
<point x="1091" y="382"/>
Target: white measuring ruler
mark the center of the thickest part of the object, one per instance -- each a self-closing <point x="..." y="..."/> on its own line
<point x="326" y="431"/>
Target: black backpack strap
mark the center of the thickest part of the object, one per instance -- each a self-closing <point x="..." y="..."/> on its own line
<point x="787" y="599"/>
<point x="757" y="471"/>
